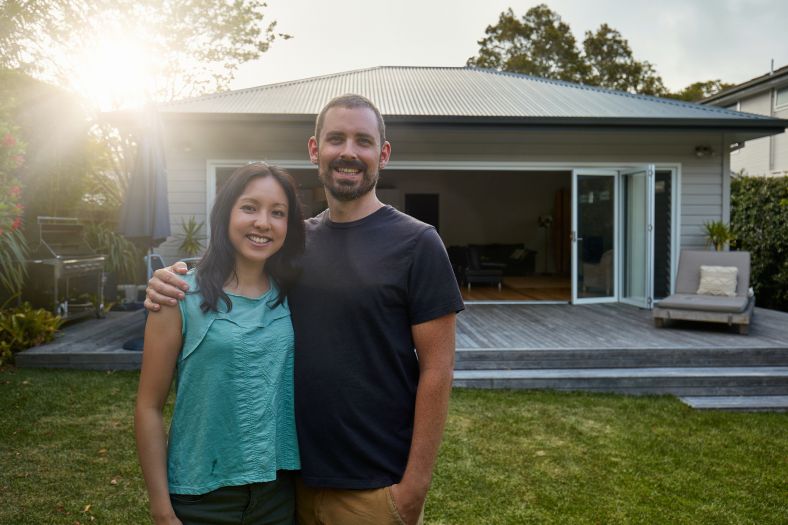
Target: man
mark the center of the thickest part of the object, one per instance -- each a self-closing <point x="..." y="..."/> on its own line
<point x="374" y="319"/>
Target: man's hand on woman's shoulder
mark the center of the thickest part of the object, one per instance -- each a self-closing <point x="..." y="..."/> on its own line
<point x="165" y="288"/>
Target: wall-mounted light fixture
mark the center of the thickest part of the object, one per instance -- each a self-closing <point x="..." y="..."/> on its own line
<point x="703" y="151"/>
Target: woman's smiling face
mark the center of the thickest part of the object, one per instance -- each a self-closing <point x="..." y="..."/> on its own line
<point x="258" y="221"/>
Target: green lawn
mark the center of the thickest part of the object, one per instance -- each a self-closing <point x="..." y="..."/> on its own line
<point x="67" y="456"/>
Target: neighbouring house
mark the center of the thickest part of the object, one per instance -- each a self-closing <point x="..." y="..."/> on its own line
<point x="765" y="95"/>
<point x="577" y="193"/>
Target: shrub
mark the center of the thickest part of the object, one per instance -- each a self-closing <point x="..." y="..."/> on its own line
<point x="24" y="327"/>
<point x="123" y="258"/>
<point x="13" y="247"/>
<point x="759" y="220"/>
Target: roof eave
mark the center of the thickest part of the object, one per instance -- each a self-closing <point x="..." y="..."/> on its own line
<point x="765" y="126"/>
<point x="618" y="122"/>
<point x="747" y="89"/>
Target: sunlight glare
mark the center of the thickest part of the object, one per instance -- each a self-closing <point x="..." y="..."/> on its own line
<point x="114" y="72"/>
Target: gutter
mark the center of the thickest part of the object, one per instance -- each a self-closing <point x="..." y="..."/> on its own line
<point x="762" y="124"/>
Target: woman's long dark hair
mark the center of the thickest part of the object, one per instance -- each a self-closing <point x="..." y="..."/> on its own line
<point x="218" y="263"/>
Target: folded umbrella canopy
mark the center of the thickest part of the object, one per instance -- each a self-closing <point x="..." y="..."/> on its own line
<point x="145" y="215"/>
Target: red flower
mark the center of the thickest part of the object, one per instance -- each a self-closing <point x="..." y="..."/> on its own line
<point x="15" y="191"/>
<point x="9" y="140"/>
<point x="16" y="224"/>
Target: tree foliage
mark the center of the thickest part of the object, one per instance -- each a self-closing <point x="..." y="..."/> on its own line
<point x="541" y="44"/>
<point x="198" y="44"/>
<point x="699" y="90"/>
<point x="611" y="64"/>
<point x="63" y="156"/>
<point x="13" y="247"/>
<point x="78" y="164"/>
<point x="752" y="200"/>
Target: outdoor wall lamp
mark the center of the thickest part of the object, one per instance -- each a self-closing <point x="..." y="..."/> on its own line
<point x="703" y="151"/>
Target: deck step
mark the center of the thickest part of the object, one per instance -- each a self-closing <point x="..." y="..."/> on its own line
<point x="746" y="403"/>
<point x="104" y="359"/>
<point x="564" y="358"/>
<point x="679" y="381"/>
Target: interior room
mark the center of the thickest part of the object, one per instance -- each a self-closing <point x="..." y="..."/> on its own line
<point x="507" y="232"/>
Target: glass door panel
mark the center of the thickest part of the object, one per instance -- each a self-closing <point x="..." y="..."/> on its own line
<point x="663" y="232"/>
<point x="637" y="196"/>
<point x="594" y="235"/>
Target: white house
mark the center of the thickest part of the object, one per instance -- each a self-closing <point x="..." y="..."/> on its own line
<point x="765" y="95"/>
<point x="628" y="180"/>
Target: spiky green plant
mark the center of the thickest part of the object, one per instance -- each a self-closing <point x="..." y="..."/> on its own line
<point x="718" y="234"/>
<point x="191" y="237"/>
<point x="123" y="257"/>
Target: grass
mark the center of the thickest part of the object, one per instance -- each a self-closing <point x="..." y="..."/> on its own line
<point x="67" y="456"/>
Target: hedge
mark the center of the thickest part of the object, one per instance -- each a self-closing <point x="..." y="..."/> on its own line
<point x="759" y="220"/>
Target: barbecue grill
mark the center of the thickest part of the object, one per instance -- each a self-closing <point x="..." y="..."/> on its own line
<point x="64" y="270"/>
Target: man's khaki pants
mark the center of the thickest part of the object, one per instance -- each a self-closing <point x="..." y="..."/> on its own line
<point x="346" y="507"/>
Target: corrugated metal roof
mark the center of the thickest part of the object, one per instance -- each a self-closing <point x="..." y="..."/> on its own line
<point x="452" y="92"/>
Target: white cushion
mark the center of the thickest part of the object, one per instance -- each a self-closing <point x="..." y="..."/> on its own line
<point x="718" y="280"/>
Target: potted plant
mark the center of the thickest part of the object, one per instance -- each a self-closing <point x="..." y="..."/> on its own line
<point x="718" y="234"/>
<point x="191" y="237"/>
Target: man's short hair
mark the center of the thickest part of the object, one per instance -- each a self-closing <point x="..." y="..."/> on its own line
<point x="350" y="101"/>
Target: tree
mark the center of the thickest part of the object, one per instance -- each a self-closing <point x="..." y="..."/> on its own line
<point x="542" y="44"/>
<point x="700" y="90"/>
<point x="612" y="65"/>
<point x="29" y="27"/>
<point x="199" y="44"/>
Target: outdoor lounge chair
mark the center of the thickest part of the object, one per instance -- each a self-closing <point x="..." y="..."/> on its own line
<point x="687" y="304"/>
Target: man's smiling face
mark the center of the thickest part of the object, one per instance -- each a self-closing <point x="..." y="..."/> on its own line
<point x="348" y="152"/>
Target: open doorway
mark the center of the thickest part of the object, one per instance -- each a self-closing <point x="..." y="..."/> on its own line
<point x="519" y="224"/>
<point x="507" y="232"/>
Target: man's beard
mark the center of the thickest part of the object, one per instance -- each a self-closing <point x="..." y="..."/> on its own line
<point x="346" y="191"/>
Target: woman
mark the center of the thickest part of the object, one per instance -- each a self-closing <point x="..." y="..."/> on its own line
<point x="232" y="438"/>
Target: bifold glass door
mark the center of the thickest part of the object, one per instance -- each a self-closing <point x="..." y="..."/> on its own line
<point x="637" y="236"/>
<point x="613" y="235"/>
<point x="594" y="235"/>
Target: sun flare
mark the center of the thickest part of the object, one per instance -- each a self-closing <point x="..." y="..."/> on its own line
<point x="114" y="72"/>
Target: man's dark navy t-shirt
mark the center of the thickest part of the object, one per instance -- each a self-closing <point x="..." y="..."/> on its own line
<point x="364" y="284"/>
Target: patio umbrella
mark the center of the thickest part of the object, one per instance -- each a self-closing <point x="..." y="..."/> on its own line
<point x="145" y="216"/>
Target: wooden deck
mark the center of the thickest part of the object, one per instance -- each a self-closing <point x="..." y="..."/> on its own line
<point x="602" y="347"/>
<point x="604" y="326"/>
<point x="91" y="344"/>
<point x="481" y="327"/>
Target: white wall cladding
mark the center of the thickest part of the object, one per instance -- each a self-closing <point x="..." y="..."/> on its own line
<point x="780" y="145"/>
<point x="765" y="156"/>
<point x="192" y="144"/>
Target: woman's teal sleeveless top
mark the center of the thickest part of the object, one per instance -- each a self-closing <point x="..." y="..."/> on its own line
<point x="233" y="421"/>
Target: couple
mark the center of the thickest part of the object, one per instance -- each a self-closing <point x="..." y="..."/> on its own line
<point x="364" y="374"/>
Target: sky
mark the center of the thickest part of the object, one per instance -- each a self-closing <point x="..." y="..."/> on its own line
<point x="685" y="40"/>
